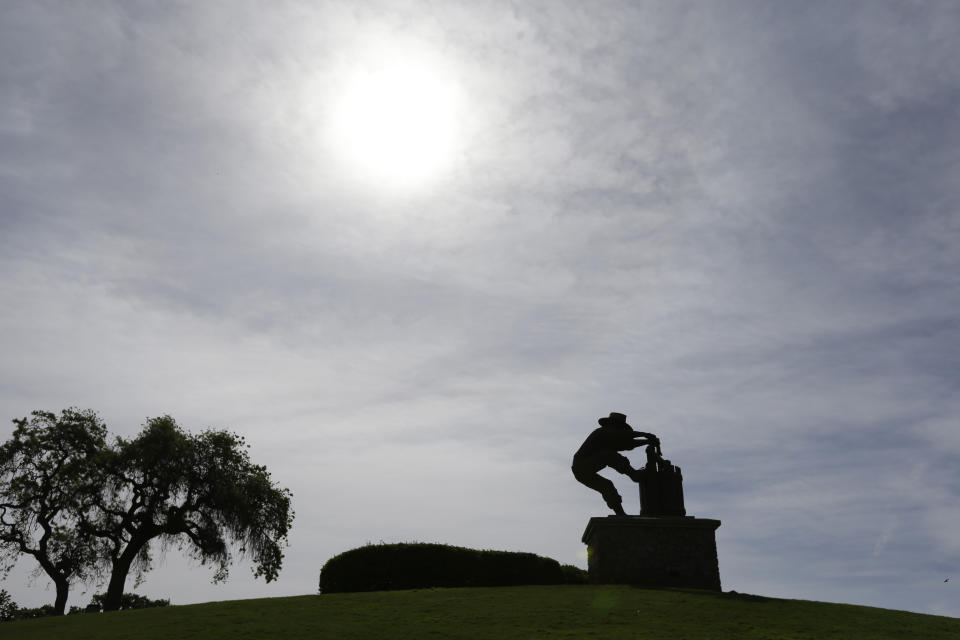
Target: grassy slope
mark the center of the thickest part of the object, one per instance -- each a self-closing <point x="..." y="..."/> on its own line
<point x="505" y="613"/>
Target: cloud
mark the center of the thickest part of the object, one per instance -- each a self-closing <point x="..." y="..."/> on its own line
<point x="732" y="222"/>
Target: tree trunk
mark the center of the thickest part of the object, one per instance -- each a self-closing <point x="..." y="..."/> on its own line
<point x="63" y="590"/>
<point x="118" y="576"/>
<point x="60" y="580"/>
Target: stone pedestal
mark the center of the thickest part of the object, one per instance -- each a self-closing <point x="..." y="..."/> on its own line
<point x="657" y="552"/>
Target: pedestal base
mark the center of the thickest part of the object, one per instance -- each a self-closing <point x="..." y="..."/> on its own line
<point x="653" y="551"/>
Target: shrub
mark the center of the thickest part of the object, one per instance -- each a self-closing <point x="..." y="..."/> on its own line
<point x="36" y="612"/>
<point x="10" y="611"/>
<point x="8" y="608"/>
<point x="420" y="565"/>
<point x="573" y="575"/>
<point x="128" y="601"/>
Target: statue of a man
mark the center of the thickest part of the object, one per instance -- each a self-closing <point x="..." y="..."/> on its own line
<point x="600" y="449"/>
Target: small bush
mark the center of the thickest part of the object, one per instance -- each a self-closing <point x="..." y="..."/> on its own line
<point x="8" y="608"/>
<point x="420" y="565"/>
<point x="128" y="601"/>
<point x="36" y="612"/>
<point x="573" y="575"/>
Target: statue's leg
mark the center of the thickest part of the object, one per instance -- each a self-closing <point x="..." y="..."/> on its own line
<point x="606" y="488"/>
<point x="612" y="498"/>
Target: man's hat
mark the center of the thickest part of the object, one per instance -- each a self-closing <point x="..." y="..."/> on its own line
<point x="613" y="419"/>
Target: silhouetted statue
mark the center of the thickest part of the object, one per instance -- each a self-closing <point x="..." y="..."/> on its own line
<point x="600" y="449"/>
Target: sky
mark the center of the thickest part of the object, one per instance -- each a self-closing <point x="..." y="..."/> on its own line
<point x="413" y="250"/>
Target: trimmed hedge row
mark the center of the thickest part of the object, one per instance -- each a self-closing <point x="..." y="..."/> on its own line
<point x="384" y="567"/>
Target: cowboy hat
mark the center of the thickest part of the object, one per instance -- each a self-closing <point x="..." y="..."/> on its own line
<point x="613" y="419"/>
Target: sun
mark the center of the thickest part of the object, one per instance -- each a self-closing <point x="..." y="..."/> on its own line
<point x="396" y="124"/>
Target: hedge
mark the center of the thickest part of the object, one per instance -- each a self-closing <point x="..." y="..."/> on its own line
<point x="384" y="567"/>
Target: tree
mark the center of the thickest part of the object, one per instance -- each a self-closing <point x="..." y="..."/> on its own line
<point x="198" y="491"/>
<point x="48" y="469"/>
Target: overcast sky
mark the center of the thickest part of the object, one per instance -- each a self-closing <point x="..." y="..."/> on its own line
<point x="736" y="222"/>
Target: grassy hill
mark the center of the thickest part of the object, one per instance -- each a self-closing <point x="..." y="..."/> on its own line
<point x="502" y="613"/>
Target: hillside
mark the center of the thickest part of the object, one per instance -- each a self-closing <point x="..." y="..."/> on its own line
<point x="565" y="611"/>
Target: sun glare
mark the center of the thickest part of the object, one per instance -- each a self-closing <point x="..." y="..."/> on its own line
<point x="396" y="124"/>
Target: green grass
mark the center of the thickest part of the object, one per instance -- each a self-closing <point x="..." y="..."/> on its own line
<point x="500" y="613"/>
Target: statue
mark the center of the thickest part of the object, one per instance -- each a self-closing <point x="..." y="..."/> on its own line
<point x="600" y="449"/>
<point x="661" y="484"/>
<point x="661" y="547"/>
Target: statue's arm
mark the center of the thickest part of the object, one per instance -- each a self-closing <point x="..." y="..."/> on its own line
<point x="638" y="440"/>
